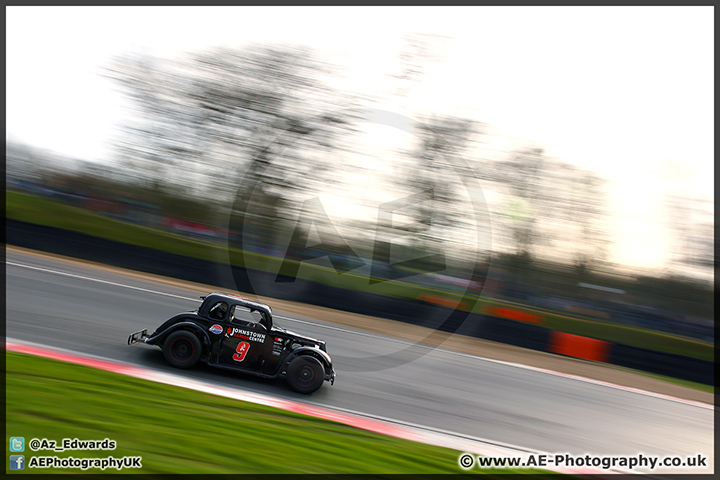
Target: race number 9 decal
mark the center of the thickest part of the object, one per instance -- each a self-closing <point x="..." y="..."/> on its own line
<point x="241" y="351"/>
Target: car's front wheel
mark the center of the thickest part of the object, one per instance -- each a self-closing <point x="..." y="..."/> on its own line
<point x="305" y="374"/>
<point x="182" y="349"/>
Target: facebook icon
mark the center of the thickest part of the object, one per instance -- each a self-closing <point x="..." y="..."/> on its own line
<point x="17" y="462"/>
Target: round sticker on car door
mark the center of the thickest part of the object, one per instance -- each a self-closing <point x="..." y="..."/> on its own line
<point x="216" y="329"/>
<point x="240" y="352"/>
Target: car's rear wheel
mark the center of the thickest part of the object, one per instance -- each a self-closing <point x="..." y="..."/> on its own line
<point x="305" y="374"/>
<point x="182" y="349"/>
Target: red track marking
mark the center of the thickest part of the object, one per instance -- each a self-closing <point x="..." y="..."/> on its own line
<point x="384" y="428"/>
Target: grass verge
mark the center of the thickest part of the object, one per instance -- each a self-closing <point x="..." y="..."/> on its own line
<point x="177" y="430"/>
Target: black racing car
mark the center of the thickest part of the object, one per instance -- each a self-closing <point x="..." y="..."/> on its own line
<point x="237" y="333"/>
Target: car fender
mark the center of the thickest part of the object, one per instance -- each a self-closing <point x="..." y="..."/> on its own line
<point x="182" y="325"/>
<point x="312" y="351"/>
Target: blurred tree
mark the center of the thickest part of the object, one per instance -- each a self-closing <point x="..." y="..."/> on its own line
<point x="19" y="161"/>
<point x="437" y="171"/>
<point x="521" y="174"/>
<point x="552" y="204"/>
<point x="418" y="52"/>
<point x="586" y="210"/>
<point x="252" y="125"/>
<point x="433" y="177"/>
<point x="162" y="139"/>
<point x="690" y="223"/>
<point x="32" y="163"/>
<point x="702" y="246"/>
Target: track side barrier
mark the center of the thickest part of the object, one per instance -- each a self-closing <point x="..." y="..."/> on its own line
<point x="499" y="324"/>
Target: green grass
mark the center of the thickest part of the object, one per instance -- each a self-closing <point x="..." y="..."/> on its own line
<point x="31" y="209"/>
<point x="177" y="430"/>
<point x="45" y="212"/>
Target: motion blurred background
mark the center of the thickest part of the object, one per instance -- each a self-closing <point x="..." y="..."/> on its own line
<point x="554" y="158"/>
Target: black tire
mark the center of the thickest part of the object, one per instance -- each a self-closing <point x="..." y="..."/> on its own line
<point x="305" y="374"/>
<point x="182" y="349"/>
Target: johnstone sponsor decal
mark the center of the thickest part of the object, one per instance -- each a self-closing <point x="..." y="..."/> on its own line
<point x="245" y="334"/>
<point x="216" y="329"/>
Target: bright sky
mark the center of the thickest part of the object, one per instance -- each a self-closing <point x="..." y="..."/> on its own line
<point x="625" y="91"/>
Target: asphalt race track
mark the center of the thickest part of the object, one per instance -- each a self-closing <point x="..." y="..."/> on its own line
<point x="92" y="311"/>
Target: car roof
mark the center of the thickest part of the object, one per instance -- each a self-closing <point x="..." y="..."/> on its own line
<point x="233" y="299"/>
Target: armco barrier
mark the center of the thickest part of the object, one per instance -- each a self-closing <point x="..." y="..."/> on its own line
<point x="673" y="365"/>
<point x="513" y="333"/>
<point x="87" y="247"/>
<point x="504" y="330"/>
